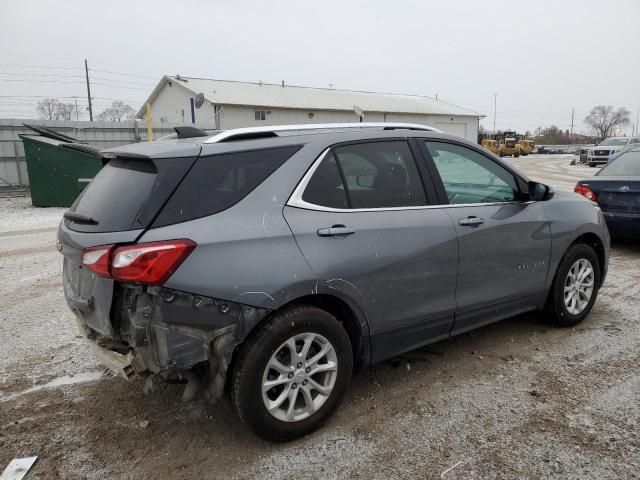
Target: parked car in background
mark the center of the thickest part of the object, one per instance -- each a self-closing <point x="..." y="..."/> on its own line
<point x="616" y="189"/>
<point x="275" y="260"/>
<point x="600" y="153"/>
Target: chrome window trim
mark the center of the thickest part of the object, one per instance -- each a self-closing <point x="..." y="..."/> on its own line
<point x="295" y="200"/>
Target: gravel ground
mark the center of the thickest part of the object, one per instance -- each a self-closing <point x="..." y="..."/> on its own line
<point x="517" y="399"/>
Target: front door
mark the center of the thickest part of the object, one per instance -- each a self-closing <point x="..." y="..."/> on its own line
<point x="504" y="240"/>
<point x="363" y="223"/>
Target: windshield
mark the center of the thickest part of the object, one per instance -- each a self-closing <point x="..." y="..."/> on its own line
<point x="626" y="165"/>
<point x="614" y="141"/>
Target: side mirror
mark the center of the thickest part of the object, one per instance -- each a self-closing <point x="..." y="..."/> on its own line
<point x="539" y="192"/>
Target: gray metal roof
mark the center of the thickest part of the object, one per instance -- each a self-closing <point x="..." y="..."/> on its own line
<point x="226" y="92"/>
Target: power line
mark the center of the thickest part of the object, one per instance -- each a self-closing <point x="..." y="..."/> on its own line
<point x="121" y="73"/>
<point x="37" y="81"/>
<point x="39" y="66"/>
<point x="73" y="76"/>
<point x="71" y="96"/>
<point x="39" y="75"/>
<point x="120" y="86"/>
<point x="122" y="81"/>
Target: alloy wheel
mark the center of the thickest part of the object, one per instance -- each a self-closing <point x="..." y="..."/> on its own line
<point x="578" y="286"/>
<point x="299" y="377"/>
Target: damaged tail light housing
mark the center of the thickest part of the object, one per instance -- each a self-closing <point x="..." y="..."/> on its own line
<point x="585" y="192"/>
<point x="96" y="259"/>
<point x="144" y="263"/>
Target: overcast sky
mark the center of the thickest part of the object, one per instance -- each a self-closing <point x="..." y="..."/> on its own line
<point x="542" y="58"/>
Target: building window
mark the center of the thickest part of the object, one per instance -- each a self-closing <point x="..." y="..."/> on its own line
<point x="260" y="114"/>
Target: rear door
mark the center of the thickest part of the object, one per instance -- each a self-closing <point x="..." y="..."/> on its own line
<point x="363" y="220"/>
<point x="504" y="239"/>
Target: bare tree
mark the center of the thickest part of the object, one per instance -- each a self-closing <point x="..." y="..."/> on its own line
<point x="604" y="119"/>
<point x="65" y="111"/>
<point x="117" y="112"/>
<point x="47" y="108"/>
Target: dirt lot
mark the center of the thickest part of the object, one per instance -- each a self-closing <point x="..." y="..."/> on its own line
<point x="518" y="399"/>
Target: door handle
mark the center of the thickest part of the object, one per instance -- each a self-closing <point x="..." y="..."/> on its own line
<point x="336" y="231"/>
<point x="471" y="221"/>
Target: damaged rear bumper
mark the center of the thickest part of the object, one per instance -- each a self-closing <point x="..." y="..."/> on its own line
<point x="160" y="332"/>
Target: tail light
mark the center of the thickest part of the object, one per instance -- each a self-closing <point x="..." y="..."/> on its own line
<point x="96" y="259"/>
<point x="146" y="263"/>
<point x="585" y="192"/>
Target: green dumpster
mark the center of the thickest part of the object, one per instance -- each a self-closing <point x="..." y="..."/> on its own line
<point x="58" y="170"/>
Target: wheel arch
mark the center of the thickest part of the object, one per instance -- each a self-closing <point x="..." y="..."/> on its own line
<point x="348" y="313"/>
<point x="595" y="242"/>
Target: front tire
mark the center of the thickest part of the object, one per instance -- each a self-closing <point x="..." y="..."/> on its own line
<point x="292" y="374"/>
<point x="575" y="286"/>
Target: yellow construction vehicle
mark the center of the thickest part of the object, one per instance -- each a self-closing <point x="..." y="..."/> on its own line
<point x="491" y="145"/>
<point x="526" y="146"/>
<point x="509" y="146"/>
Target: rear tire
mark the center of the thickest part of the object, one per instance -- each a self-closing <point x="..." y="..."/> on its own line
<point x="299" y="401"/>
<point x="575" y="287"/>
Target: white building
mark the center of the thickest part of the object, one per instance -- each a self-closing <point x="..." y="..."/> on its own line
<point x="223" y="104"/>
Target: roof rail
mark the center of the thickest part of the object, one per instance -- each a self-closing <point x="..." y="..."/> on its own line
<point x="266" y="132"/>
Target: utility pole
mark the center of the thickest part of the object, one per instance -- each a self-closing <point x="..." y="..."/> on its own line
<point x="86" y="71"/>
<point x="76" y="100"/>
<point x="571" y="135"/>
<point x="495" y="103"/>
<point x="637" y="125"/>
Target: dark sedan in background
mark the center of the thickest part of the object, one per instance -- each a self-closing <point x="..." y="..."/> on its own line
<point x="616" y="188"/>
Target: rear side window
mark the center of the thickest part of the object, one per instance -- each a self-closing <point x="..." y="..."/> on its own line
<point x="218" y="182"/>
<point x="116" y="195"/>
<point x="325" y="187"/>
<point x="376" y="174"/>
<point x="381" y="175"/>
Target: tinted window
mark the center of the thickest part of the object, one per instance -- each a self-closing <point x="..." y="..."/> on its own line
<point x="217" y="182"/>
<point x="470" y="177"/>
<point x="116" y="195"/>
<point x="380" y="175"/>
<point x="325" y="187"/>
<point x="626" y="165"/>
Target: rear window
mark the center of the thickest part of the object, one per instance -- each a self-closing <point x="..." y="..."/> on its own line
<point x="218" y="182"/>
<point x="116" y="195"/>
<point x="626" y="165"/>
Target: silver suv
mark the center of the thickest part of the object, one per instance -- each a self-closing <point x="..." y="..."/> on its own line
<point x="272" y="262"/>
<point x="601" y="153"/>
